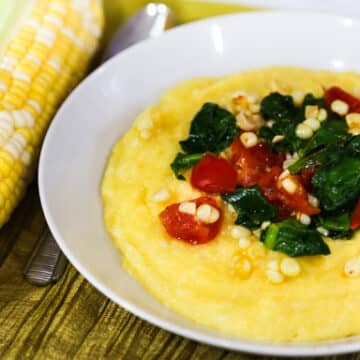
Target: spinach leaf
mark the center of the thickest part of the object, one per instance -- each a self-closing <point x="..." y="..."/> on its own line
<point x="212" y="129"/>
<point x="251" y="207"/>
<point x="294" y="239"/>
<point x="338" y="185"/>
<point x="282" y="111"/>
<point x="325" y="156"/>
<point x="333" y="131"/>
<point x="337" y="225"/>
<point x="277" y="107"/>
<point x="184" y="162"/>
<point x="353" y="147"/>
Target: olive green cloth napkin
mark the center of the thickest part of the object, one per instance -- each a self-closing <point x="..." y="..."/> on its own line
<point x="71" y="319"/>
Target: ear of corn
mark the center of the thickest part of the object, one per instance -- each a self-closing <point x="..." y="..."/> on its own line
<point x="41" y="59"/>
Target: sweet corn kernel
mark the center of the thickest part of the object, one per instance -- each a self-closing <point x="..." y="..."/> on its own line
<point x="340" y="107"/>
<point x="289" y="185"/>
<point x="249" y="139"/>
<point x="278" y="138"/>
<point x="298" y="97"/>
<point x="313" y="124"/>
<point x="303" y="131"/>
<point x="188" y="207"/>
<point x="162" y="195"/>
<point x="352" y="267"/>
<point x="311" y="111"/>
<point x="290" y="267"/>
<point x="244" y="242"/>
<point x="254" y="108"/>
<point x="240" y="231"/>
<point x="249" y="122"/>
<point x="265" y="225"/>
<point x="273" y="265"/>
<point x="303" y="218"/>
<point x="322" y="116"/>
<point x="313" y="200"/>
<point x="207" y="214"/>
<point x="287" y="163"/>
<point x="321" y="230"/>
<point x="353" y="122"/>
<point x="274" y="276"/>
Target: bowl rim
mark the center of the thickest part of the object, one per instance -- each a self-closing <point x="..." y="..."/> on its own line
<point x="320" y="348"/>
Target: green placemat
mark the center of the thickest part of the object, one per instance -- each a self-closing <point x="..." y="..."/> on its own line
<point x="72" y="319"/>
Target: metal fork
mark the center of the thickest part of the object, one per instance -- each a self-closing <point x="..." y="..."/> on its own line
<point x="47" y="263"/>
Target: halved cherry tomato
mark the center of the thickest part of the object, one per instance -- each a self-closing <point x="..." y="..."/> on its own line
<point x="252" y="163"/>
<point x="187" y="227"/>
<point x="355" y="220"/>
<point x="267" y="184"/>
<point x="306" y="177"/>
<point x="214" y="175"/>
<point x="336" y="93"/>
<point x="299" y="200"/>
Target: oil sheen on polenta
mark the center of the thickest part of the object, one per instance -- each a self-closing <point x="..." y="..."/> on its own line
<point x="207" y="283"/>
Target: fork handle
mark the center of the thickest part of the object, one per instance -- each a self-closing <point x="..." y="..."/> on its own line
<point x="47" y="263"/>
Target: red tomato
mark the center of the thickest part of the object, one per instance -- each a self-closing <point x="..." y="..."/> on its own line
<point x="299" y="200"/>
<point x="355" y="220"/>
<point x="214" y="175"/>
<point x="336" y="93"/>
<point x="252" y="163"/>
<point x="187" y="227"/>
<point x="306" y="177"/>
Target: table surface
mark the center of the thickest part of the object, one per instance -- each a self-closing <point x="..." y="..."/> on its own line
<point x="71" y="319"/>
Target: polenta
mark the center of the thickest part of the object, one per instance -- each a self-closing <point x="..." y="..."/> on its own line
<point x="270" y="248"/>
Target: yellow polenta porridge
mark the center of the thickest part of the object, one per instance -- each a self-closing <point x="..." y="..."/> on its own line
<point x="235" y="202"/>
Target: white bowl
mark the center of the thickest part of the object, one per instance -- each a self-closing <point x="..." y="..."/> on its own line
<point x="103" y="107"/>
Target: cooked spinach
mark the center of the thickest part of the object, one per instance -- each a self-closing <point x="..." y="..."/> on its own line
<point x="184" y="162"/>
<point x="294" y="239"/>
<point x="338" y="185"/>
<point x="277" y="107"/>
<point x="251" y="207"/>
<point x="282" y="111"/>
<point x="338" y="225"/>
<point x="332" y="131"/>
<point x="325" y="156"/>
<point x="353" y="147"/>
<point x="212" y="129"/>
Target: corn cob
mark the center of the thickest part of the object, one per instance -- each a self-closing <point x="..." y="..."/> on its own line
<point x="42" y="57"/>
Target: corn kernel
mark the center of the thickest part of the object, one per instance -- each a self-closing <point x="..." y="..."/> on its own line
<point x="162" y="195"/>
<point x="303" y="131"/>
<point x="249" y="122"/>
<point x="273" y="265"/>
<point x="290" y="267"/>
<point x="303" y="218"/>
<point x="188" y="207"/>
<point x="207" y="214"/>
<point x="277" y="138"/>
<point x="244" y="242"/>
<point x="240" y="231"/>
<point x="249" y="139"/>
<point x="298" y="97"/>
<point x="313" y="124"/>
<point x="353" y="122"/>
<point x="352" y="267"/>
<point x="311" y="111"/>
<point x="289" y="185"/>
<point x="321" y="230"/>
<point x="313" y="200"/>
<point x="340" y="107"/>
<point x="274" y="276"/>
<point x="322" y="116"/>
